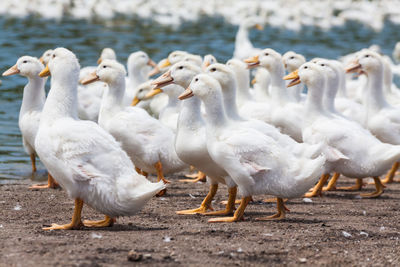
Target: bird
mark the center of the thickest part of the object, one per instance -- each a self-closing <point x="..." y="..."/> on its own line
<point x="82" y="157"/>
<point x="32" y="104"/>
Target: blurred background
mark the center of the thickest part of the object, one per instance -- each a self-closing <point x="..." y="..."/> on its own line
<point x="327" y="29"/>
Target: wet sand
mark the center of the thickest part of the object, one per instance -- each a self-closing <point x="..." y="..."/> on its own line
<point x="337" y="229"/>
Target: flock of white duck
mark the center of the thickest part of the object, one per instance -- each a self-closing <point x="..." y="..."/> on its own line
<point x="322" y="14"/>
<point x="102" y="129"/>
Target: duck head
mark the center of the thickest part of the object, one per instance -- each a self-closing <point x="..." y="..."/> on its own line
<point x="26" y="66"/>
<point x="292" y="61"/>
<point x="268" y="58"/>
<point x="181" y="73"/>
<point x="366" y="61"/>
<point x="140" y="61"/>
<point x="46" y="56"/>
<point x="202" y="86"/>
<point x="63" y="64"/>
<point x="107" y="53"/>
<point x="222" y="73"/>
<point x="109" y="71"/>
<point x="309" y="73"/>
<point x="208" y="60"/>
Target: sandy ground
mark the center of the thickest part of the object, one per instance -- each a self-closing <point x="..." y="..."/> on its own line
<point x="338" y="229"/>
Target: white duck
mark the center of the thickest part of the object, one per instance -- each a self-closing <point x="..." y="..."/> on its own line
<point x="292" y="61"/>
<point x="243" y="46"/>
<point x="242" y="73"/>
<point x="208" y="60"/>
<point x="191" y="142"/>
<point x="350" y="149"/>
<point x="32" y="104"/>
<point x="256" y="163"/>
<point x="139" y="66"/>
<point x="283" y="110"/>
<point x="148" y="142"/>
<point x="107" y="53"/>
<point x="169" y="114"/>
<point x="261" y="83"/>
<point x="383" y="120"/>
<point x="84" y="159"/>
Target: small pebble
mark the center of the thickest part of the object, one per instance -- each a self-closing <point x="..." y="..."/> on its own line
<point x="190" y="195"/>
<point x="239" y="250"/>
<point x="167" y="239"/>
<point x="134" y="256"/>
<point x="17" y="207"/>
<point x="303" y="260"/>
<point x="364" y="233"/>
<point x="307" y="200"/>
<point x="346" y="234"/>
<point x="97" y="236"/>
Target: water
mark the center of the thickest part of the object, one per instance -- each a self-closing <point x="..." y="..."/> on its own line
<point x="32" y="36"/>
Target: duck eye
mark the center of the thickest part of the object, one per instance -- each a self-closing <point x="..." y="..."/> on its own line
<point x="180" y="67"/>
<point x="366" y="55"/>
<point x="305" y="67"/>
<point x="267" y="54"/>
<point x="196" y="80"/>
<point x="213" y="69"/>
<point x="323" y="65"/>
<point x="54" y="56"/>
<point x="104" y="66"/>
<point x="141" y="90"/>
<point x="292" y="57"/>
<point x="25" y="61"/>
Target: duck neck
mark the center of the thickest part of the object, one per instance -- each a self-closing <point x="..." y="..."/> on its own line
<point x="375" y="99"/>
<point x="342" y="91"/>
<point x="136" y="76"/>
<point x="229" y="97"/>
<point x="190" y="114"/>
<point x="314" y="100"/>
<point x="112" y="101"/>
<point x="173" y="101"/>
<point x="216" y="115"/>
<point x="62" y="100"/>
<point x="242" y="38"/>
<point x="330" y="95"/>
<point x="243" y="81"/>
<point x="34" y="95"/>
<point x="278" y="91"/>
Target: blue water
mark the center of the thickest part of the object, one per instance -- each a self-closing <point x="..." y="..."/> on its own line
<point x="32" y="36"/>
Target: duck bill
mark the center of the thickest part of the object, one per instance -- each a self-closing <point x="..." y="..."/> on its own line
<point x="206" y="64"/>
<point x="165" y="63"/>
<point x="135" y="101"/>
<point x="99" y="61"/>
<point x="11" y="71"/>
<point x="153" y="92"/>
<point x="163" y="80"/>
<point x="151" y="63"/>
<point x="259" y="27"/>
<point x="92" y="77"/>
<point x="45" y="72"/>
<point x="252" y="62"/>
<point x="186" y="94"/>
<point x="154" y="71"/>
<point x="353" y="67"/>
<point x="294" y="76"/>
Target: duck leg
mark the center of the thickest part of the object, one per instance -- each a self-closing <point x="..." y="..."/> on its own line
<point x="356" y="187"/>
<point x="33" y="161"/>
<point x="205" y="205"/>
<point x="237" y="201"/>
<point x="280" y="204"/>
<point x="76" y="222"/>
<point x="160" y="176"/>
<point x="332" y="183"/>
<point x="107" y="222"/>
<point x="51" y="183"/>
<point x="317" y="190"/>
<point x="379" y="189"/>
<point x="230" y="204"/>
<point x="238" y="215"/>
<point x="390" y="176"/>
<point x="199" y="177"/>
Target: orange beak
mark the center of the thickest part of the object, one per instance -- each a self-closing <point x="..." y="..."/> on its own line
<point x="259" y="27"/>
<point x="252" y="62"/>
<point x="163" y="80"/>
<point x="92" y="77"/>
<point x="354" y="66"/>
<point x="11" y="71"/>
<point x="186" y="94"/>
<point x="45" y="72"/>
<point x="294" y="76"/>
